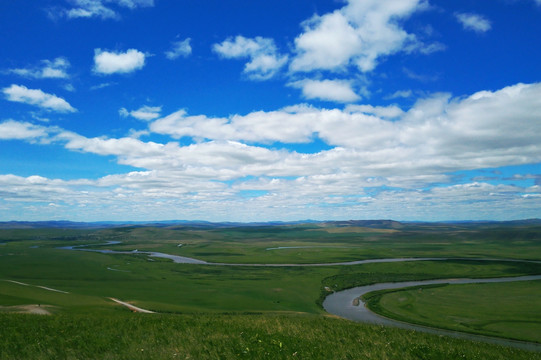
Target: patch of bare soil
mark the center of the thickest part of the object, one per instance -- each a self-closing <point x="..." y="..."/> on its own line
<point x="36" y="309"/>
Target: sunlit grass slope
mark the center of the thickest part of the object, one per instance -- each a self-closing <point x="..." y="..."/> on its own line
<point x="234" y="336"/>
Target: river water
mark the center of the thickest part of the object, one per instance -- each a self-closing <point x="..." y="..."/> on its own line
<point x="342" y="303"/>
<point x="175" y="258"/>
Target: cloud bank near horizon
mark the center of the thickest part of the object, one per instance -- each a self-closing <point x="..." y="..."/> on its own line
<point x="389" y="153"/>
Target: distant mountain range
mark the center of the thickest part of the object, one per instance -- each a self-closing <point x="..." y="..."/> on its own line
<point x="379" y="224"/>
<point x="65" y="224"/>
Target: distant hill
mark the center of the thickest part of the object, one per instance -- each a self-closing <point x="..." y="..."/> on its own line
<point x="377" y="224"/>
<point x="51" y="224"/>
<point x="64" y="224"/>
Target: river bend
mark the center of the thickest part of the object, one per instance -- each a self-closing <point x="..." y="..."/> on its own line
<point x="341" y="303"/>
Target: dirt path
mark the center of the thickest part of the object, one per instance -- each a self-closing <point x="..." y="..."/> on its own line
<point x="132" y="307"/>
<point x="28" y="309"/>
<point x="38" y="286"/>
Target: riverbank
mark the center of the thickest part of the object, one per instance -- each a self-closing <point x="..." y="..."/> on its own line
<point x="342" y="304"/>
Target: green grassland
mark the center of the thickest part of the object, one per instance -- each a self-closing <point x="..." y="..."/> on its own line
<point x="261" y="303"/>
<point x="227" y="336"/>
<point x="331" y="244"/>
<point x="318" y="242"/>
<point x="511" y="310"/>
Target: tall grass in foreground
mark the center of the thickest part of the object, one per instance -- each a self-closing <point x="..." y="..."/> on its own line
<point x="233" y="336"/>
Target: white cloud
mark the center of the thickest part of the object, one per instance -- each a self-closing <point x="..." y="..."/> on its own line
<point x="14" y="130"/>
<point x="328" y="42"/>
<point x="370" y="147"/>
<point x="144" y="195"/>
<point x="264" y="62"/>
<point x="179" y="48"/>
<point x="90" y="8"/>
<point x="55" y="69"/>
<point x="473" y="22"/>
<point x="19" y="93"/>
<point x="101" y="8"/>
<point x="243" y="47"/>
<point x="401" y="94"/>
<point x="387" y="112"/>
<point x="473" y="131"/>
<point x="38" y="116"/>
<point x="69" y="87"/>
<point x="145" y="113"/>
<point x="426" y="49"/>
<point x="132" y="4"/>
<point x="419" y="76"/>
<point x="102" y="85"/>
<point x="331" y="90"/>
<point x="136" y="134"/>
<point x="359" y="34"/>
<point x="283" y="125"/>
<point x="106" y="62"/>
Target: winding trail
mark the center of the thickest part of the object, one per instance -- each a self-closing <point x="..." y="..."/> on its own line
<point x="38" y="286"/>
<point x="132" y="307"/>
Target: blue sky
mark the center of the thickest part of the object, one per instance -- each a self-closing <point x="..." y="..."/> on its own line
<point x="260" y="111"/>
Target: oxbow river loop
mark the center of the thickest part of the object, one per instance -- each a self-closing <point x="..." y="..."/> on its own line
<point x="343" y="304"/>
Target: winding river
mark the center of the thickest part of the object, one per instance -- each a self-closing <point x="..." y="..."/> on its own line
<point x="343" y="304"/>
<point x="175" y="258"/>
<point x="187" y="260"/>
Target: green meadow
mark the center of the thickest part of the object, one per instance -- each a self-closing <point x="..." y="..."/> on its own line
<point x="227" y="336"/>
<point x="510" y="310"/>
<point x="216" y="311"/>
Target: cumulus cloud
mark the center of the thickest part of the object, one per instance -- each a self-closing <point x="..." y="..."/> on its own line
<point x="286" y="125"/>
<point x="265" y="61"/>
<point x="144" y="195"/>
<point x="359" y="34"/>
<point x="401" y="94"/>
<point x="386" y="112"/>
<point x="14" y="130"/>
<point x="377" y="157"/>
<point x="145" y="113"/>
<point x="473" y="22"/>
<point x="100" y="8"/>
<point x="330" y="90"/>
<point x="500" y="124"/>
<point x="107" y="62"/>
<point x="48" y="69"/>
<point x="20" y="93"/>
<point x="178" y="49"/>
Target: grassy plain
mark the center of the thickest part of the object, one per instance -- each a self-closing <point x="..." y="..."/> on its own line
<point x="311" y="243"/>
<point x="261" y="303"/>
<point x="327" y="243"/>
<point x="510" y="310"/>
<point x="227" y="336"/>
